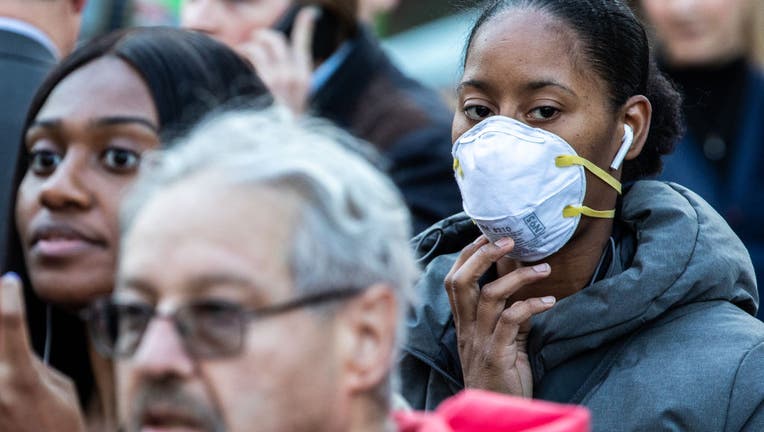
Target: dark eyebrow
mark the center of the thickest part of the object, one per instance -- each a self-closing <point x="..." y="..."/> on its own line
<point x="100" y="122"/>
<point x="538" y="85"/>
<point x="120" y="120"/>
<point x="480" y="85"/>
<point x="48" y="124"/>
<point x="533" y="85"/>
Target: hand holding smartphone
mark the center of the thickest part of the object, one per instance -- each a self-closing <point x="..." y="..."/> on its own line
<point x="286" y="55"/>
<point x="285" y="66"/>
<point x="336" y="22"/>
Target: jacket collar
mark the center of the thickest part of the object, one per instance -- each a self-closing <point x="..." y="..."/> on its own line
<point x="24" y="45"/>
<point x="349" y="80"/>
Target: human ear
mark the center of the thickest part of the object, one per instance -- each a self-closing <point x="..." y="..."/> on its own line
<point x="626" y="142"/>
<point x="369" y="324"/>
<point x="636" y="113"/>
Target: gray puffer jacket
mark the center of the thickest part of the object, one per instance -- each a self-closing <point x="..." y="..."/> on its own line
<point x="665" y="340"/>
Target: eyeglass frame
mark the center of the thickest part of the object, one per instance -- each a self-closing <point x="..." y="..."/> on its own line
<point x="246" y="315"/>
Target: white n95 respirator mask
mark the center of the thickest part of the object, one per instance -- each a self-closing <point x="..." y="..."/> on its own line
<point x="526" y="183"/>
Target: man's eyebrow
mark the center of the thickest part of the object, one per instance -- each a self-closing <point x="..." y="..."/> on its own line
<point x="538" y="85"/>
<point x="194" y="285"/>
<point x="206" y="281"/>
<point x="138" y="284"/>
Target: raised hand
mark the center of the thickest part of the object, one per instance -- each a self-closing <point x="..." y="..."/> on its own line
<point x="33" y="396"/>
<point x="492" y="334"/>
<point x="285" y="67"/>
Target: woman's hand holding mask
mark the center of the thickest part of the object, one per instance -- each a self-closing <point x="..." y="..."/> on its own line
<point x="33" y="396"/>
<point x="492" y="336"/>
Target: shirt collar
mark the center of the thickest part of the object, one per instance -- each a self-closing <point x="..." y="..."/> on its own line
<point x="25" y="29"/>
<point x="322" y="73"/>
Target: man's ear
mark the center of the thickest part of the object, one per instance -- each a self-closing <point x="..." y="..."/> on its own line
<point x="369" y="325"/>
<point x="637" y="113"/>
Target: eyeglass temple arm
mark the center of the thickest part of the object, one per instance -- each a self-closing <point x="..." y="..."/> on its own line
<point x="308" y="300"/>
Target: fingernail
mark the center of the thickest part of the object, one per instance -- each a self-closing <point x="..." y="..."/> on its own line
<point x="503" y="242"/>
<point x="479" y="240"/>
<point x="541" y="268"/>
<point x="12" y="275"/>
<point x="548" y="300"/>
<point x="10" y="293"/>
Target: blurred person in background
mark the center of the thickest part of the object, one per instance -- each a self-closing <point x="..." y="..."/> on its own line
<point x="282" y="311"/>
<point x="324" y="61"/>
<point x="370" y="9"/>
<point x="34" y="34"/>
<point x="153" y="12"/>
<point x="714" y="51"/>
<point x="88" y="127"/>
<point x="104" y="16"/>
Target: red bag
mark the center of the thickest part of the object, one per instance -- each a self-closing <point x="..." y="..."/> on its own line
<point x="481" y="411"/>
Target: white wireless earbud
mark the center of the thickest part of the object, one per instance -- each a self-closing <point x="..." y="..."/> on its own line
<point x="628" y="138"/>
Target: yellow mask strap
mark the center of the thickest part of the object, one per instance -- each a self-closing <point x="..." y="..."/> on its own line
<point x="458" y="168"/>
<point x="570" y="160"/>
<point x="573" y="211"/>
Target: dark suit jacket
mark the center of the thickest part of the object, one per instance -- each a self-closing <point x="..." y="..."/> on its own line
<point x="23" y="65"/>
<point x="407" y="122"/>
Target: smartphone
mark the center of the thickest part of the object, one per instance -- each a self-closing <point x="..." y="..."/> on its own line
<point x="336" y="23"/>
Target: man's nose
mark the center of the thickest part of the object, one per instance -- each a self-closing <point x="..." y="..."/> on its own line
<point x="202" y="15"/>
<point x="66" y="186"/>
<point x="161" y="352"/>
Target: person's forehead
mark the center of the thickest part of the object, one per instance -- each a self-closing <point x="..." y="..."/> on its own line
<point x="200" y="234"/>
<point x="72" y="99"/>
<point x="535" y="45"/>
<point x="526" y="32"/>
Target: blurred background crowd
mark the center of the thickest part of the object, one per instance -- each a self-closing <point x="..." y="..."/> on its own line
<point x="427" y="30"/>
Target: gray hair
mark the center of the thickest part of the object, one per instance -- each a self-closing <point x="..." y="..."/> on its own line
<point x="353" y="229"/>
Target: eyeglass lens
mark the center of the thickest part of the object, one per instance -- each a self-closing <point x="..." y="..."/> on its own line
<point x="208" y="329"/>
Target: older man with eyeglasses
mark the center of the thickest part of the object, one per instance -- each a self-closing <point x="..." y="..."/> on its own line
<point x="263" y="271"/>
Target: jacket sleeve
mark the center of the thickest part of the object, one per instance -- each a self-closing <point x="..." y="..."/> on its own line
<point x="746" y="410"/>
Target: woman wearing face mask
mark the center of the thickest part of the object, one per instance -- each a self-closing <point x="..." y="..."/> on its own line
<point x="89" y="124"/>
<point x="589" y="284"/>
<point x="714" y="51"/>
